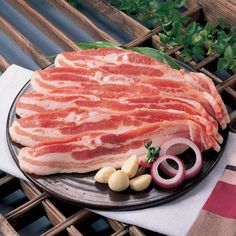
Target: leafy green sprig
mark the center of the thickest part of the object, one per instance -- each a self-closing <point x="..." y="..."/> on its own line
<point x="152" y="153"/>
<point x="195" y="39"/>
<point x="151" y="156"/>
<point x="150" y="11"/>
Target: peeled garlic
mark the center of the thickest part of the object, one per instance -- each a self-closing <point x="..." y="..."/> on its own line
<point x="104" y="174"/>
<point x="130" y="166"/>
<point x="140" y="182"/>
<point x="118" y="181"/>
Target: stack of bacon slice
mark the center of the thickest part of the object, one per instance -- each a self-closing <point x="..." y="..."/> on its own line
<point x="99" y="106"/>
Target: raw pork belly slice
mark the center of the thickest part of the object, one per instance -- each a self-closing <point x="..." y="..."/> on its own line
<point x="44" y="127"/>
<point x="153" y="87"/>
<point x="94" y="150"/>
<point x="106" y="105"/>
<point x="105" y="56"/>
<point x="34" y="103"/>
<point x="133" y="64"/>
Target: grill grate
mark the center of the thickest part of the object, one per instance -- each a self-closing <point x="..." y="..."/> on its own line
<point x="25" y="209"/>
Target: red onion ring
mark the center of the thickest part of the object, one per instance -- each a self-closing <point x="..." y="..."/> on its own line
<point x="169" y="170"/>
<point x="168" y="183"/>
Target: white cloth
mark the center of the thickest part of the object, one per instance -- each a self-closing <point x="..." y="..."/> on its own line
<point x="173" y="218"/>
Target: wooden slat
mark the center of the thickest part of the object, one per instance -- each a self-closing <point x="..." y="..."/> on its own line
<point x="227" y="83"/>
<point x="229" y="97"/>
<point x="5" y="228"/>
<point x="23" y="43"/>
<point x="211" y="75"/>
<point x="52" y="212"/>
<point x="156" y="42"/>
<point x="29" y="189"/>
<point x="232" y="125"/>
<point x="46" y="27"/>
<point x="115" y="225"/>
<point x="207" y="60"/>
<point x="6" y="179"/>
<point x="193" y="64"/>
<point x="214" y="9"/>
<point x="135" y="231"/>
<point x="25" y="207"/>
<point x="122" y="20"/>
<point x="72" y="231"/>
<point x="55" y="216"/>
<point x="173" y="50"/>
<point x="78" y="216"/>
<point x="3" y="63"/>
<point x="232" y="93"/>
<point x="121" y="232"/>
<point x="78" y="17"/>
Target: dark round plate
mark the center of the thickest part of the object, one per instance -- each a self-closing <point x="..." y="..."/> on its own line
<point x="81" y="188"/>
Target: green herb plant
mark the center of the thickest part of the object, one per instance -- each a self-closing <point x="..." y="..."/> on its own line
<point x="152" y="153"/>
<point x="197" y="40"/>
<point x="151" y="156"/>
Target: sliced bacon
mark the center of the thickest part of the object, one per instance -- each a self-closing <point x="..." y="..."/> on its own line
<point x="105" y="56"/>
<point x="92" y="151"/>
<point x="136" y="65"/>
<point x="34" y="129"/>
<point x="33" y="103"/>
<point x="106" y="105"/>
<point x="102" y="86"/>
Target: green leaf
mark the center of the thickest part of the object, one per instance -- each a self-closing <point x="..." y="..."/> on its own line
<point x="173" y="42"/>
<point x="191" y="28"/>
<point x="52" y="57"/>
<point x="165" y="24"/>
<point x="222" y="24"/>
<point x="187" y="54"/>
<point x="164" y="38"/>
<point x="97" y="44"/>
<point x="177" y="26"/>
<point x="219" y="47"/>
<point x="228" y="53"/>
<point x="185" y="19"/>
<point x="233" y="29"/>
<point x="232" y="65"/>
<point x="198" y="51"/>
<point x="209" y="51"/>
<point x="180" y="3"/>
<point x="207" y="28"/>
<point x="154" y="53"/>
<point x="233" y="34"/>
<point x="234" y="51"/>
<point x="222" y="64"/>
<point x="196" y="38"/>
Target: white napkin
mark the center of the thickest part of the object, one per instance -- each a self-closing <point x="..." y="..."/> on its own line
<point x="173" y="218"/>
<point x="11" y="81"/>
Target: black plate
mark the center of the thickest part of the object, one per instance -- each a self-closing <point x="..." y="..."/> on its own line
<point x="81" y="188"/>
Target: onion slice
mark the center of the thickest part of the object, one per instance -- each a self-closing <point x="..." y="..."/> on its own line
<point x="168" y="183"/>
<point x="169" y="170"/>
